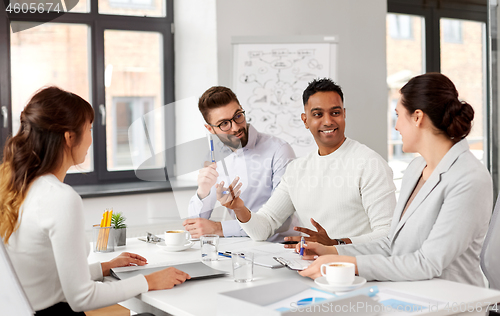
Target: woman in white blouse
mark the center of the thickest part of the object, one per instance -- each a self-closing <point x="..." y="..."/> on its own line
<point x="42" y="220"/>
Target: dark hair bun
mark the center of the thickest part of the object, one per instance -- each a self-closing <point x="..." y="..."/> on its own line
<point x="457" y="119"/>
<point x="436" y="95"/>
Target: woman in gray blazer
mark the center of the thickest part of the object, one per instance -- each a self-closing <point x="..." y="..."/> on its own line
<point x="445" y="201"/>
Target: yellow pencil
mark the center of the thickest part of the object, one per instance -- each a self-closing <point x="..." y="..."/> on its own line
<point x="108" y="224"/>
<point x="101" y="231"/>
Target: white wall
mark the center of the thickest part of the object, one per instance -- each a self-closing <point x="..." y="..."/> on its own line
<point x="203" y="31"/>
<point x="360" y="26"/>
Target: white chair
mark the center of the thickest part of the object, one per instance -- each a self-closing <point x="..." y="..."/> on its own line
<point x="12" y="297"/>
<point x="491" y="247"/>
<point x="490" y="262"/>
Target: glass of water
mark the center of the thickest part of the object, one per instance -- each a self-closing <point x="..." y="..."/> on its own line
<point x="242" y="266"/>
<point x="209" y="244"/>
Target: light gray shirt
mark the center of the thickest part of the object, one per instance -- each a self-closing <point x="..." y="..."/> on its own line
<point x="260" y="166"/>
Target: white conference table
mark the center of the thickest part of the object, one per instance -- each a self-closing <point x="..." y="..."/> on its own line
<point x="199" y="297"/>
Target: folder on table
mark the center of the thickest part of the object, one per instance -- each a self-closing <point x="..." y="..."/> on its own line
<point x="197" y="270"/>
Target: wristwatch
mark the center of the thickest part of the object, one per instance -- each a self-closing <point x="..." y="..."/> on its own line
<point x="340" y="242"/>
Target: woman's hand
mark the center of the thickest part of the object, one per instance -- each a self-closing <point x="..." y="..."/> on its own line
<point x="314" y="270"/>
<point x="313" y="249"/>
<point x="125" y="259"/>
<point x="166" y="278"/>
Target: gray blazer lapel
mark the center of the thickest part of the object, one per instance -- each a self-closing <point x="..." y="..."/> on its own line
<point x="410" y="180"/>
<point x="443" y="166"/>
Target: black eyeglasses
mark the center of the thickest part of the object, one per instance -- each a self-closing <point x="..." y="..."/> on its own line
<point x="226" y="125"/>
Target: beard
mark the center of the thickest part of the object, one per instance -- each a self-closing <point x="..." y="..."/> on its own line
<point x="234" y="142"/>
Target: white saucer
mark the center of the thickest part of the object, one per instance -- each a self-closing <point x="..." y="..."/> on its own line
<point x="358" y="281"/>
<point x="166" y="248"/>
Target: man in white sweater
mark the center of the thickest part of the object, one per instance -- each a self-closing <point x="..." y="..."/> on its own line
<point x="344" y="189"/>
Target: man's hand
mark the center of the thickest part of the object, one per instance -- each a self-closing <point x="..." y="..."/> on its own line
<point x="202" y="226"/>
<point x="166" y="278"/>
<point x="321" y="236"/>
<point x="207" y="177"/>
<point x="230" y="197"/>
<point x="123" y="260"/>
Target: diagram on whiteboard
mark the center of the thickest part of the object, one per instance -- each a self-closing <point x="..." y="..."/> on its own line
<point x="269" y="80"/>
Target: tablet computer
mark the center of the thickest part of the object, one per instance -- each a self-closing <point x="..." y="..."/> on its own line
<point x="197" y="270"/>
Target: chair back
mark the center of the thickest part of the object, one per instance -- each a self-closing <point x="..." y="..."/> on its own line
<point x="13" y="300"/>
<point x="490" y="262"/>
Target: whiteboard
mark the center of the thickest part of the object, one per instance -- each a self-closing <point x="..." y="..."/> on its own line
<point x="269" y="76"/>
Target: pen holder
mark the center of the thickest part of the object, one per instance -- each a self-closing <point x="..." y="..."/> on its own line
<point x="103" y="239"/>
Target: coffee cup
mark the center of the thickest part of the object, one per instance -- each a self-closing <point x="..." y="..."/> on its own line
<point x="338" y="273"/>
<point x="176" y="237"/>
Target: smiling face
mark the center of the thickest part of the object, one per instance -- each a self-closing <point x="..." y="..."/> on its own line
<point x="238" y="133"/>
<point x="325" y="117"/>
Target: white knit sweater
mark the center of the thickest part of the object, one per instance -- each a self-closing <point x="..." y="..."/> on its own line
<point x="350" y="192"/>
<point x="49" y="252"/>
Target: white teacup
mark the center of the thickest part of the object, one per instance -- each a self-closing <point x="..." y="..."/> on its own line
<point x="338" y="273"/>
<point x="176" y="237"/>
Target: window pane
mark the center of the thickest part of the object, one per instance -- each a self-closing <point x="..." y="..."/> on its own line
<point x="49" y="54"/>
<point x="451" y="31"/>
<point x="133" y="7"/>
<point x="405" y="59"/>
<point x="133" y="80"/>
<point x="400" y="26"/>
<point x="464" y="63"/>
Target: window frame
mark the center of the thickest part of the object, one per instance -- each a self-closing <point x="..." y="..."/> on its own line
<point x="97" y="24"/>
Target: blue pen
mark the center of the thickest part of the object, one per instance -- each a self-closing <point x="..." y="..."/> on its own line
<point x="212" y="156"/>
<point x="302" y="242"/>
<point x="225" y="254"/>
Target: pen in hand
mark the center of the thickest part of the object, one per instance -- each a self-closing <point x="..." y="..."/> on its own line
<point x="212" y="154"/>
<point x="302" y="243"/>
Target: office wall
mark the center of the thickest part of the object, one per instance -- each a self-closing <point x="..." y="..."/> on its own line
<point x="195" y="63"/>
<point x="360" y="26"/>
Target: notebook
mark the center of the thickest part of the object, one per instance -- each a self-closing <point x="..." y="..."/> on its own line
<point x="197" y="270"/>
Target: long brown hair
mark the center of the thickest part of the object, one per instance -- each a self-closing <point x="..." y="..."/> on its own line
<point x="38" y="147"/>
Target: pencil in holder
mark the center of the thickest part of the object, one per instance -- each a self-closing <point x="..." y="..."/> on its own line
<point x="103" y="239"/>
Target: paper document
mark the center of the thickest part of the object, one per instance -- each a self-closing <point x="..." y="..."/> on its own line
<point x="264" y="254"/>
<point x="297" y="264"/>
<point x="306" y="297"/>
<point x="401" y="303"/>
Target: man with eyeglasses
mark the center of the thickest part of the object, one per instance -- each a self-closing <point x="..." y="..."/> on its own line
<point x="258" y="160"/>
